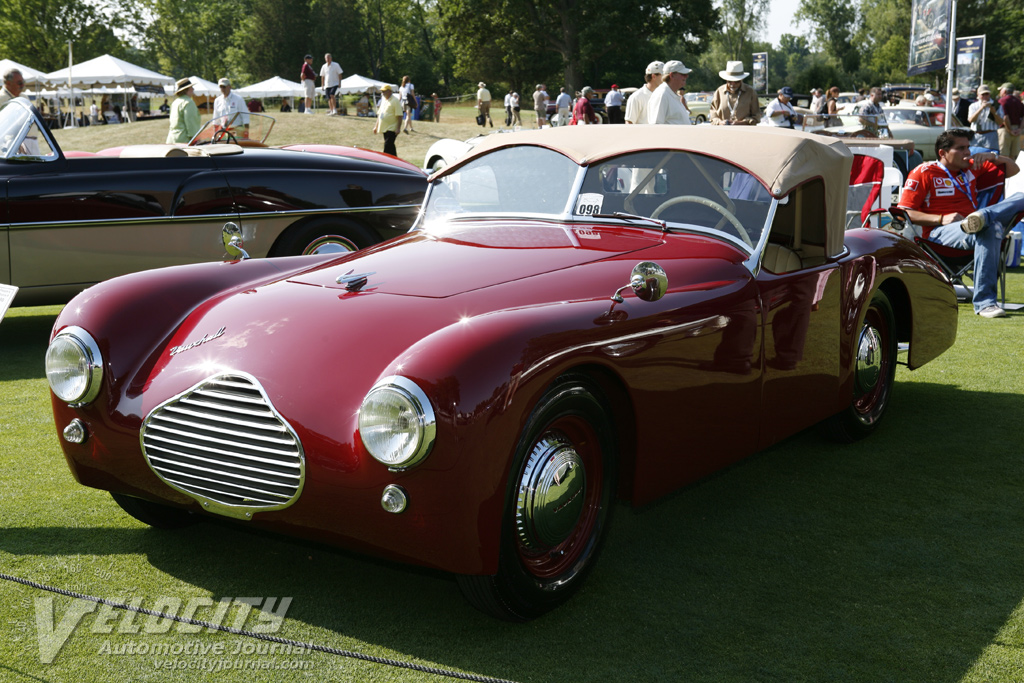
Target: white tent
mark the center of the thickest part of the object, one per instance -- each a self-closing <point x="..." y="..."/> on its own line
<point x="357" y="84"/>
<point x="272" y="87"/>
<point x="107" y="70"/>
<point x="32" y="77"/>
<point x="202" y="87"/>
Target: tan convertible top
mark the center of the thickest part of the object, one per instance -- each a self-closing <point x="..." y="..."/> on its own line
<point x="782" y="159"/>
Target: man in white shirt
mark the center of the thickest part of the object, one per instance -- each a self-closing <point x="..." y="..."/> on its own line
<point x="227" y="105"/>
<point x="563" y="103"/>
<point x="636" y="105"/>
<point x="330" y="79"/>
<point x="613" y="105"/>
<point x="665" y="105"/>
<point x="780" y="112"/>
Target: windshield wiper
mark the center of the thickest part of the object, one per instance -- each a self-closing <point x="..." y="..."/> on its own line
<point x="632" y="217"/>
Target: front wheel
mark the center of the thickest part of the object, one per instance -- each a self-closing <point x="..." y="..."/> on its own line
<point x="328" y="235"/>
<point x="874" y="374"/>
<point x="557" y="508"/>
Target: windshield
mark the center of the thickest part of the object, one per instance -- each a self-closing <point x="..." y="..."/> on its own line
<point x="510" y="181"/>
<point x="21" y="138"/>
<point x="236" y="128"/>
<point x="684" y="189"/>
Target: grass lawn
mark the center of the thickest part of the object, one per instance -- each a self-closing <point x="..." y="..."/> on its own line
<point x="895" y="559"/>
<point x="292" y="128"/>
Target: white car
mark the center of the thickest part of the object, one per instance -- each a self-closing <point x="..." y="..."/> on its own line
<point x="446" y="151"/>
<point x="921" y="125"/>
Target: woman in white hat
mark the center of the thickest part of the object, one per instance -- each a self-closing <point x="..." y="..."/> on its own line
<point x="184" y="119"/>
<point x="735" y="102"/>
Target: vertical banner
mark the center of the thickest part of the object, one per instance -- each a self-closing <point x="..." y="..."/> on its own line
<point x="929" y="35"/>
<point x="760" y="72"/>
<point x="970" y="63"/>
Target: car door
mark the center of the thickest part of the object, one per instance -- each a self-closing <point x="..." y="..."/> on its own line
<point x="87" y="219"/>
<point x="801" y="299"/>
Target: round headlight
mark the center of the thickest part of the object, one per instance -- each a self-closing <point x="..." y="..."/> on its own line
<point x="74" y="366"/>
<point x="396" y="423"/>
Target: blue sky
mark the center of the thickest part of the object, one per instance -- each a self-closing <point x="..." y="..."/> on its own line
<point x="780" y="15"/>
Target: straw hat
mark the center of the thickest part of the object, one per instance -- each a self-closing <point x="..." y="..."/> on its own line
<point x="182" y="85"/>
<point x="733" y="72"/>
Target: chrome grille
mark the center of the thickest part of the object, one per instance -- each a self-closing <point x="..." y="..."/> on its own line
<point x="222" y="443"/>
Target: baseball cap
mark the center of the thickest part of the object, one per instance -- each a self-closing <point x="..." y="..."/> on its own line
<point x="983" y="89"/>
<point x="786" y="91"/>
<point x="675" y="67"/>
<point x="224" y="81"/>
<point x="656" y="68"/>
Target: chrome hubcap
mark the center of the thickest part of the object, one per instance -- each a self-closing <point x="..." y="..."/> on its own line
<point x="330" y="244"/>
<point x="869" y="359"/>
<point x="551" y="493"/>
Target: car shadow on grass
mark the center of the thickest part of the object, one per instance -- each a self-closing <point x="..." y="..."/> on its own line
<point x="23" y="340"/>
<point x="896" y="558"/>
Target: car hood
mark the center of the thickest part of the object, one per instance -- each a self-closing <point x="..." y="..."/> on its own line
<point x="466" y="256"/>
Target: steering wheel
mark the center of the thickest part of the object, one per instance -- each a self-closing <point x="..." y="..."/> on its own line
<point x="726" y="214"/>
<point x="225" y="133"/>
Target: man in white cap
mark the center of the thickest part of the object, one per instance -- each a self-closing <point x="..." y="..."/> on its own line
<point x="985" y="119"/>
<point x="636" y="105"/>
<point x="227" y="105"/>
<point x="483" y="102"/>
<point x="735" y="103"/>
<point x="665" y="105"/>
<point x="184" y="120"/>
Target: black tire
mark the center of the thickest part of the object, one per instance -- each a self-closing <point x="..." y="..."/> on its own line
<point x="330" y="234"/>
<point x="874" y="374"/>
<point x="566" y="452"/>
<point x="700" y="119"/>
<point x="154" y="514"/>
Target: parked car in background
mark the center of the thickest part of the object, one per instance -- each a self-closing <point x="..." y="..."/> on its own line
<point x="699" y="104"/>
<point x="596" y="101"/>
<point x="580" y="314"/>
<point x="76" y="218"/>
<point x="920" y="125"/>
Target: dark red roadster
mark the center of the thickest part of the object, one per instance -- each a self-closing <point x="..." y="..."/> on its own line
<point x="578" y="315"/>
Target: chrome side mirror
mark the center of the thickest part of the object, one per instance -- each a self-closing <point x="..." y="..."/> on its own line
<point x="648" y="281"/>
<point x="233" y="244"/>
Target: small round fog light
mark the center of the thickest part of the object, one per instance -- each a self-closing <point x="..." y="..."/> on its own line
<point x="75" y="432"/>
<point x="394" y="499"/>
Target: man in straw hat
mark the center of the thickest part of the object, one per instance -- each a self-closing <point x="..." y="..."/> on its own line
<point x="184" y="114"/>
<point x="389" y="117"/>
<point x="735" y="102"/>
<point x="636" y="105"/>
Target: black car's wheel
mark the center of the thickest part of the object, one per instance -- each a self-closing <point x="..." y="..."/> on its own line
<point x="328" y="235"/>
<point x="557" y="507"/>
<point x="874" y="373"/>
<point x="154" y="514"/>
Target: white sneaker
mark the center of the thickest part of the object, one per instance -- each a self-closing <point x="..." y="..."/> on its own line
<point x="973" y="223"/>
<point x="992" y="311"/>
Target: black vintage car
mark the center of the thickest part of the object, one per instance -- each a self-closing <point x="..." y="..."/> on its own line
<point x="71" y="219"/>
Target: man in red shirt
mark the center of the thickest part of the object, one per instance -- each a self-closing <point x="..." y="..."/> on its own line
<point x="1013" y="121"/>
<point x="942" y="197"/>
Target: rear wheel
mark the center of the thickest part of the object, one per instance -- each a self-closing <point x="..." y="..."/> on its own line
<point x="874" y="374"/>
<point x="328" y="235"/>
<point x="701" y="118"/>
<point x="154" y="514"/>
<point x="557" y="508"/>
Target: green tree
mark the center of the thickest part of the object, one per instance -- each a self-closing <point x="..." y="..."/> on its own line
<point x="499" y="39"/>
<point x="191" y="37"/>
<point x="833" y="25"/>
<point x="742" y="21"/>
<point x="36" y="32"/>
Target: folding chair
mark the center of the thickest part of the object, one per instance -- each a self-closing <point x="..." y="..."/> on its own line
<point x="873" y="181"/>
<point x="958" y="264"/>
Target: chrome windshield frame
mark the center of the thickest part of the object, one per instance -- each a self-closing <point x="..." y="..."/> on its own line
<point x="18" y="131"/>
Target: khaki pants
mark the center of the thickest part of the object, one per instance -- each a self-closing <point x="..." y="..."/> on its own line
<point x="1009" y="145"/>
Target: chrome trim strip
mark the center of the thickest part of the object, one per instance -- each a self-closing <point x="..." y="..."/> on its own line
<point x="204" y="218"/>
